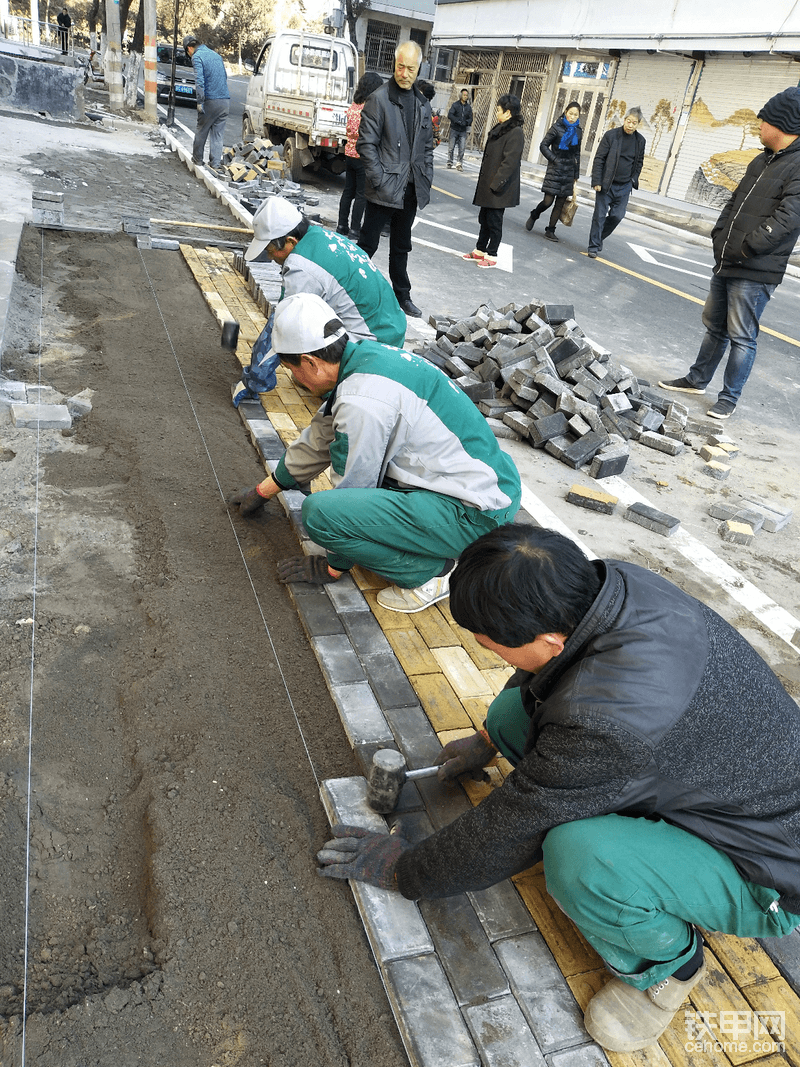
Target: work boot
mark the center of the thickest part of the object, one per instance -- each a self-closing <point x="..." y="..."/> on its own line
<point x="623" y="1019"/>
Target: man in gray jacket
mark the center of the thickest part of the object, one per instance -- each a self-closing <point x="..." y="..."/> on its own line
<point x="753" y="239"/>
<point x="395" y="143"/>
<point x="657" y="773"/>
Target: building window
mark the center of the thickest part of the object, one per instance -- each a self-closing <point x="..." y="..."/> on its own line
<point x="381" y="40"/>
<point x="419" y="37"/>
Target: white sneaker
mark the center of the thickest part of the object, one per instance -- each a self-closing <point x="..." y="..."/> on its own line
<point x="410" y="601"/>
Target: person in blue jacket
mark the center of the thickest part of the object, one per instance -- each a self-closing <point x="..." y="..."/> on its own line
<point x="213" y="101"/>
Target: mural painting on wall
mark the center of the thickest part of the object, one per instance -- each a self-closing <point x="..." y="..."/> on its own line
<point x="652" y="128"/>
<point x="717" y="176"/>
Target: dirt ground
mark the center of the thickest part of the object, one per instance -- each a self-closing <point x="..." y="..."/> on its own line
<point x="180" y="726"/>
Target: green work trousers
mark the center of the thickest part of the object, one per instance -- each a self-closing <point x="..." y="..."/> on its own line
<point x="635" y="886"/>
<point x="405" y="536"/>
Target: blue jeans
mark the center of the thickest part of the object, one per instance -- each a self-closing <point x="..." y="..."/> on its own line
<point x="458" y="142"/>
<point x="609" y="211"/>
<point x="731" y="314"/>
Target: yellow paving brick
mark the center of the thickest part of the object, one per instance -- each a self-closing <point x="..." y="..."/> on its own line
<point x="775" y="997"/>
<point x="461" y="672"/>
<point x="302" y="416"/>
<point x="288" y="395"/>
<point x="453" y="735"/>
<point x="272" y="402"/>
<point x="366" y="579"/>
<point x="476" y="708"/>
<point x="723" y="1003"/>
<point x="281" y="421"/>
<point x="743" y="958"/>
<point x="411" y="650"/>
<point x="480" y="656"/>
<point x="686" y="1046"/>
<point x="497" y="677"/>
<point x="435" y="629"/>
<point x="387" y="620"/>
<point x="504" y="766"/>
<point x="478" y="791"/>
<point x="572" y="952"/>
<point x="441" y="705"/>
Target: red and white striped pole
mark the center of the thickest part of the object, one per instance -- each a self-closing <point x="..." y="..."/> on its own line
<point x="150" y="59"/>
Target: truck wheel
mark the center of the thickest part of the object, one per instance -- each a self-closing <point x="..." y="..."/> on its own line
<point x="291" y="160"/>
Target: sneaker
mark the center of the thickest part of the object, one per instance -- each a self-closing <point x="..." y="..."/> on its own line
<point x="592" y="255"/>
<point x="449" y="166"/>
<point x="410" y="601"/>
<point x="723" y="409"/>
<point x="459" y="167"/>
<point x="623" y="1019"/>
<point x="682" y="385"/>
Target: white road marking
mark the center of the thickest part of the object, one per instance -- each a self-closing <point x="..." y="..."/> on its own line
<point x="505" y="253"/>
<point x="646" y="254"/>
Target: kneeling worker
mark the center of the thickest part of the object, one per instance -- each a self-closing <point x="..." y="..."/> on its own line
<point x="656" y="771"/>
<point x="417" y="473"/>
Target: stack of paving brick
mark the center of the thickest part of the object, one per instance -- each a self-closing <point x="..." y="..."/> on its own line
<point x="256" y="169"/>
<point x="743" y="519"/>
<point x="536" y="376"/>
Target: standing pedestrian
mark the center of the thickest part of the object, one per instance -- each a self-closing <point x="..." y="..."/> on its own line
<point x="395" y="142"/>
<point x="753" y="239"/>
<point x="353" y="193"/>
<point x="499" y="178"/>
<point x="213" y="101"/>
<point x="615" y="172"/>
<point x="460" y="117"/>
<point x="64" y="24"/>
<point x="561" y="148"/>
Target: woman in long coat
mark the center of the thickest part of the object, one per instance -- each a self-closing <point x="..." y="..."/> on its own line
<point x="561" y="148"/>
<point x="499" y="179"/>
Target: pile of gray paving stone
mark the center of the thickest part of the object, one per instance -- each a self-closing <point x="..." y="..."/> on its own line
<point x="255" y="170"/>
<point x="536" y="376"/>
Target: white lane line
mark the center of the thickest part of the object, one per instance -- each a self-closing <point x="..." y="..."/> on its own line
<point x="646" y="255"/>
<point x="781" y="622"/>
<point x="505" y="253"/>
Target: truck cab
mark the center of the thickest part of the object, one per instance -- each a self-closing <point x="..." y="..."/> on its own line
<point x="298" y="95"/>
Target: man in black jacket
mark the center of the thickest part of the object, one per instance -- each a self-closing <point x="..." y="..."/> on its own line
<point x="753" y="239"/>
<point x="395" y="143"/>
<point x="657" y="773"/>
<point x="615" y="172"/>
<point x="460" y="116"/>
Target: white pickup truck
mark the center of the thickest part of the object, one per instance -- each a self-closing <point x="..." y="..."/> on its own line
<point x="298" y="96"/>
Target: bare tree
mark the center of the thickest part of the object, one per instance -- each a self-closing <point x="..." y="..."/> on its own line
<point x="353" y="11"/>
<point x="661" y="121"/>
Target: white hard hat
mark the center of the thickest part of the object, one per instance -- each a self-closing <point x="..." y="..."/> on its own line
<point x="299" y="326"/>
<point x="275" y="218"/>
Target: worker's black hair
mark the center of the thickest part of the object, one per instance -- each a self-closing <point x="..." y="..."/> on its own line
<point x="331" y="353"/>
<point x="300" y="230"/>
<point x="520" y="581"/>
<point x="367" y="84"/>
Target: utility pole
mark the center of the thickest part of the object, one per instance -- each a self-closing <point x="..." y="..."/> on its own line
<point x="150" y="88"/>
<point x="113" y="57"/>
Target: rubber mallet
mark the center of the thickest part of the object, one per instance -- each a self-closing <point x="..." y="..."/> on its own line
<point x="387" y="777"/>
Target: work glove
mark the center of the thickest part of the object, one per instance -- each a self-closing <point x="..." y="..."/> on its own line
<point x="362" y="855"/>
<point x="249" y="501"/>
<point x="466" y="755"/>
<point x="313" y="569"/>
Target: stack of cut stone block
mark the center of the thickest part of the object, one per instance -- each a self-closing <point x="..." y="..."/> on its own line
<point x="743" y="519"/>
<point x="536" y="376"/>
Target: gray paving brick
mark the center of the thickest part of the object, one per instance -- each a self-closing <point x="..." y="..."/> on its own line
<point x="361" y="716"/>
<point x="583" y="1056"/>
<point x="41" y="416"/>
<point x="652" y="519"/>
<point x="316" y="612"/>
<point x="785" y="952"/>
<point x="464" y="949"/>
<point x="431" y="1026"/>
<point x="337" y="659"/>
<point x="265" y="438"/>
<point x="415" y="736"/>
<point x="501" y="911"/>
<point x="346" y="596"/>
<point x="502" y="1035"/>
<point x="443" y="804"/>
<point x="365" y="632"/>
<point x="389" y="681"/>
<point x="542" y="992"/>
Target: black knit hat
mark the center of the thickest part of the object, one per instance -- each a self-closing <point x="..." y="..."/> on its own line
<point x="783" y="110"/>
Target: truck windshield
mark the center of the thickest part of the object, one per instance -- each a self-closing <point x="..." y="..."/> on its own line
<point x="313" y="56"/>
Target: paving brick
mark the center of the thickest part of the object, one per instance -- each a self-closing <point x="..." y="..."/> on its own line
<point x="317" y="613"/>
<point x="713" y="452"/>
<point x="592" y="499"/>
<point x="776" y="516"/>
<point x="416" y="737"/>
<point x="555" y="314"/>
<point x="578" y="426"/>
<point x="557" y="446"/>
<point x="581" y="1056"/>
<point x="738" y="511"/>
<point x="661" y="443"/>
<point x="718" y="471"/>
<point x="337" y="659"/>
<point x="609" y="461"/>
<point x="502" y="1035"/>
<point x="616" y="403"/>
<point x="366" y="635"/>
<point x="345" y="595"/>
<point x="388" y="681"/>
<point x="584" y="449"/>
<point x="543" y="430"/>
<point x="430" y="1023"/>
<point x="265" y="438"/>
<point x="41" y="416"/>
<point x="464" y="949"/>
<point x="496" y="408"/>
<point x="542" y="992"/>
<point x="501" y="911"/>
<point x="738" y="533"/>
<point x="649" y="419"/>
<point x="652" y="519"/>
<point x="518" y="422"/>
<point x="500" y="430"/>
<point x="362" y="718"/>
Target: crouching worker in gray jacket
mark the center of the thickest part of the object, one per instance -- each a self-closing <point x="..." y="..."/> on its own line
<point x="656" y="771"/>
<point x="417" y="473"/>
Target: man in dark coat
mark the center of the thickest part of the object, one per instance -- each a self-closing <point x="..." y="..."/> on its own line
<point x="460" y="116"/>
<point x="64" y="24"/>
<point x="395" y="143"/>
<point x="615" y="172"/>
<point x="656" y="771"/>
<point x="753" y="239"/>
